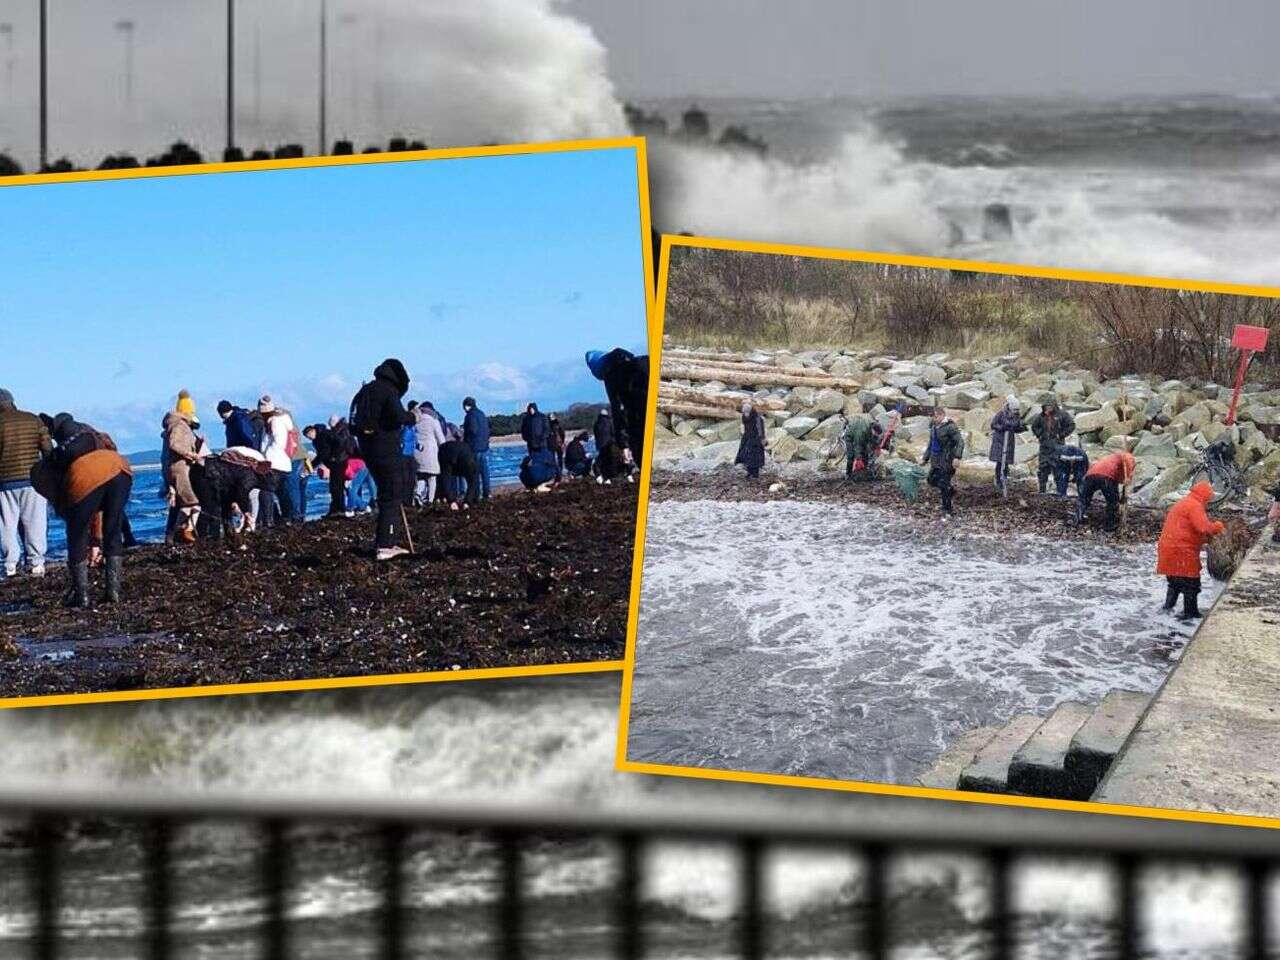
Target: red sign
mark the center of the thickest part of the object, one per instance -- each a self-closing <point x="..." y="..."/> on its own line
<point x="1249" y="338"/>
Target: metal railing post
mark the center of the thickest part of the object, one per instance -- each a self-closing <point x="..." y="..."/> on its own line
<point x="875" y="929"/>
<point x="627" y="909"/>
<point x="393" y="932"/>
<point x="275" y="880"/>
<point x="511" y="902"/>
<point x="44" y="874"/>
<point x="156" y="835"/>
<point x="1002" y="918"/>
<point x="752" y="884"/>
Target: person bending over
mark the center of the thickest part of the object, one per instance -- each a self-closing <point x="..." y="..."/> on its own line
<point x="458" y="462"/>
<point x="576" y="461"/>
<point x="1111" y="477"/>
<point x="626" y="382"/>
<point x="539" y="470"/>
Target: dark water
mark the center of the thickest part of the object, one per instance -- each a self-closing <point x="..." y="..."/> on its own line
<point x="856" y="644"/>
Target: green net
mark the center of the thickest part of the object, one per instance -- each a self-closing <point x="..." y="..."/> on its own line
<point x="908" y="476"/>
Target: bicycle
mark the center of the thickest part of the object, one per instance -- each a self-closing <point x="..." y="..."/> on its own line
<point x="1217" y="465"/>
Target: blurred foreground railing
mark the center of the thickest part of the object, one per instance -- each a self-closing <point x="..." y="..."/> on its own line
<point x="1128" y="844"/>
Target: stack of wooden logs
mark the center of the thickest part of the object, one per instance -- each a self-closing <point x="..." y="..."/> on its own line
<point x="735" y="370"/>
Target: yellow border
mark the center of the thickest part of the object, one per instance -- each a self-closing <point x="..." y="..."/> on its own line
<point x="637" y="144"/>
<point x="861" y="786"/>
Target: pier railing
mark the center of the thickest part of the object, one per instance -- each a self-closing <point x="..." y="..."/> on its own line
<point x="1127" y="844"/>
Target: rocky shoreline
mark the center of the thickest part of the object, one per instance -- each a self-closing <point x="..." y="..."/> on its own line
<point x="803" y="395"/>
<point x="521" y="580"/>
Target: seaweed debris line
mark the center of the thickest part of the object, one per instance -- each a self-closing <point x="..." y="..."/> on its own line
<point x="525" y="580"/>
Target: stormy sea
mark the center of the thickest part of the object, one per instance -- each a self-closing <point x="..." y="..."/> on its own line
<point x="857" y="644"/>
<point x="1181" y="187"/>
<point x="547" y="741"/>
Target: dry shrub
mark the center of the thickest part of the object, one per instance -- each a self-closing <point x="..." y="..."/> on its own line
<point x="919" y="312"/>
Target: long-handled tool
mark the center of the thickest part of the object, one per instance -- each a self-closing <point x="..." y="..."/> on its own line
<point x="408" y="535"/>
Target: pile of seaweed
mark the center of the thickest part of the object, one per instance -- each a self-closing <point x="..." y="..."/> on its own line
<point x="522" y="579"/>
<point x="977" y="509"/>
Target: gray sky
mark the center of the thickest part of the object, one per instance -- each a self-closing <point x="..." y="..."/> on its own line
<point x="793" y="48"/>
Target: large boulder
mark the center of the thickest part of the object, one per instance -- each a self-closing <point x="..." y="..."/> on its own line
<point x="676" y="448"/>
<point x="1156" y="446"/>
<point x="828" y="401"/>
<point x="1169" y="480"/>
<point x="1194" y="417"/>
<point x="828" y="429"/>
<point x="1097" y="419"/>
<point x="687" y="427"/>
<point x="932" y="375"/>
<point x="1265" y="474"/>
<point x="801" y="398"/>
<point x="1069" y="388"/>
<point x="1268" y="416"/>
<point x="724" y="430"/>
<point x="1125" y="427"/>
<point x="799" y="426"/>
<point x="784" y="449"/>
<point x="723" y="452"/>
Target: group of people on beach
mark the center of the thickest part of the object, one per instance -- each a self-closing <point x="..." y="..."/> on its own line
<point x="1187" y="526"/>
<point x="382" y="457"/>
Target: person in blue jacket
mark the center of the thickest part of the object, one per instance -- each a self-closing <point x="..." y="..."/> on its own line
<point x="242" y="430"/>
<point x="475" y="434"/>
<point x="538" y="470"/>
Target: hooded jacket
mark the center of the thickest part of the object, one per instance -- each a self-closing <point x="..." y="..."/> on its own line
<point x="1187" y="528"/>
<point x="535" y="429"/>
<point x="428" y="439"/>
<point x="1005" y="426"/>
<point x="475" y="430"/>
<point x="378" y="414"/>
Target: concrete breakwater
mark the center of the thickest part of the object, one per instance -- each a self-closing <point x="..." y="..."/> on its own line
<point x="802" y="395"/>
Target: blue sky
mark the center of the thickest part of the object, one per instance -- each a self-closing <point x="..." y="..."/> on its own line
<point x="490" y="276"/>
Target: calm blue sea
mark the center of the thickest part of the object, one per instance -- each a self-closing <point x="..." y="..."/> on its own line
<point x="147" y="509"/>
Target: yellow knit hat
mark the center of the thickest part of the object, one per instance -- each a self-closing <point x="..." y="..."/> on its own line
<point x="186" y="406"/>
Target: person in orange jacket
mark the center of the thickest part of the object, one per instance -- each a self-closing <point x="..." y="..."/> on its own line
<point x="1187" y="528"/>
<point x="1111" y="477"/>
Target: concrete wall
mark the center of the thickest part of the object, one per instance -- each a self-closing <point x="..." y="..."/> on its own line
<point x="1210" y="740"/>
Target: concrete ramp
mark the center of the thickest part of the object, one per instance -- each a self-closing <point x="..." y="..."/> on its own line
<point x="1210" y="741"/>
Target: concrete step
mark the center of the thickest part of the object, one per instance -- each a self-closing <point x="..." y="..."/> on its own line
<point x="946" y="770"/>
<point x="1038" y="768"/>
<point x="1096" y="744"/>
<point x="988" y="772"/>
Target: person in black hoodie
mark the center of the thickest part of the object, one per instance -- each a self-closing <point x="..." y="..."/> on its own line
<point x="626" y="381"/>
<point x="377" y="419"/>
<point x="334" y="447"/>
<point x="535" y="428"/>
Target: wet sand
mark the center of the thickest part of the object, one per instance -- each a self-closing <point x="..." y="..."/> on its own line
<point x="525" y="579"/>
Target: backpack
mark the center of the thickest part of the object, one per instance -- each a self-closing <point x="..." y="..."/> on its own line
<point x="293" y="443"/>
<point x="363" y="416"/>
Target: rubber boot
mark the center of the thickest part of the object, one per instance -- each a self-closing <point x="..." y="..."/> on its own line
<point x="1190" y="606"/>
<point x="78" y="593"/>
<point x="115" y="566"/>
<point x="1170" y="597"/>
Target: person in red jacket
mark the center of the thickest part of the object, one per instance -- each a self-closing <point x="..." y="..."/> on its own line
<point x="1187" y="528"/>
<point x="1111" y="477"/>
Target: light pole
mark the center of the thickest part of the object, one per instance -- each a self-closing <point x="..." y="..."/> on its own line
<point x="348" y="20"/>
<point x="6" y="31"/>
<point x="231" y="75"/>
<point x="125" y="29"/>
<point x="324" y="72"/>
<point x="44" y="84"/>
